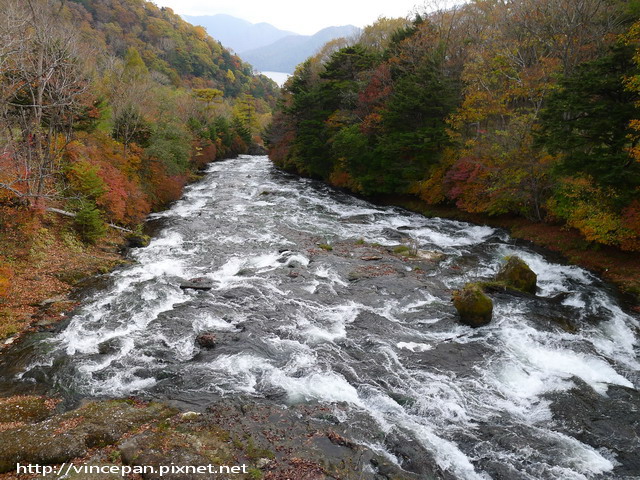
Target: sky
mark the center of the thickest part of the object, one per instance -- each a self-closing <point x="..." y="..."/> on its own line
<point x="299" y="16"/>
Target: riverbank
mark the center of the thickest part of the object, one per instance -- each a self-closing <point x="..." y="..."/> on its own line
<point x="134" y="439"/>
<point x="44" y="262"/>
<point x="618" y="267"/>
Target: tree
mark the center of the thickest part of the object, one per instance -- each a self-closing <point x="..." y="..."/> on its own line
<point x="130" y="91"/>
<point x="588" y="119"/>
<point x="43" y="86"/>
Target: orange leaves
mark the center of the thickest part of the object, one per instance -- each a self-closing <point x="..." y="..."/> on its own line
<point x="166" y="188"/>
<point x="6" y="275"/>
<point x="99" y="171"/>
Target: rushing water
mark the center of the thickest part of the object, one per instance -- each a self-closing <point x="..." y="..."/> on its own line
<point x="520" y="398"/>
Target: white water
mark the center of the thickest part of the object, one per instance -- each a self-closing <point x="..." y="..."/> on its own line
<point x="320" y="337"/>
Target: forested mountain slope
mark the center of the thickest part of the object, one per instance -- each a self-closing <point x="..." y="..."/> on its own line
<point x="519" y="107"/>
<point x="107" y="107"/>
<point x="236" y="33"/>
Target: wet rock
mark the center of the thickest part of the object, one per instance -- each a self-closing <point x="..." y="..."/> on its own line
<point x="357" y="219"/>
<point x="55" y="300"/>
<point x="207" y="340"/>
<point x="256" y="149"/>
<point x="473" y="306"/>
<point x="137" y="240"/>
<point x="611" y="422"/>
<point x="199" y="283"/>
<point x="309" y="449"/>
<point x="517" y="274"/>
<point x="393" y="234"/>
<point x="109" y="346"/>
<point x="413" y="458"/>
<point x="236" y="293"/>
<point x="430" y="255"/>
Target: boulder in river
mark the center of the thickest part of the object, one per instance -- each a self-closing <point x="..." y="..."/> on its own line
<point x="137" y="240"/>
<point x="517" y="274"/>
<point x="200" y="283"/>
<point x="474" y="307"/>
<point x="207" y="340"/>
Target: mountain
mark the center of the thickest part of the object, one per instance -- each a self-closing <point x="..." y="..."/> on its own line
<point x="236" y="33"/>
<point x="284" y="54"/>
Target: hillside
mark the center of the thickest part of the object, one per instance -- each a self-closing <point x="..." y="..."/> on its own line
<point x="107" y="109"/>
<point x="494" y="109"/>
<point x="236" y="33"/>
<point x="284" y="54"/>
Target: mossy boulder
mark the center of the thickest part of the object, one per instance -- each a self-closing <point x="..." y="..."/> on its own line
<point x="137" y="240"/>
<point x="25" y="409"/>
<point x="72" y="434"/>
<point x="517" y="274"/>
<point x="474" y="307"/>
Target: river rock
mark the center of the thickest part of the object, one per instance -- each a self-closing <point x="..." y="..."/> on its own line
<point x="200" y="283"/>
<point x="137" y="240"/>
<point x="255" y="149"/>
<point x="53" y="301"/>
<point x="517" y="274"/>
<point x="207" y="340"/>
<point x="474" y="307"/>
<point x="430" y="255"/>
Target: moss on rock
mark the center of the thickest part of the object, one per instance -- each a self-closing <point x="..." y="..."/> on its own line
<point x="517" y="274"/>
<point x="63" y="437"/>
<point x="24" y="409"/>
<point x="474" y="307"/>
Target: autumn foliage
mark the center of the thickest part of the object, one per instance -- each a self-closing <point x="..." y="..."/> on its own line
<point x="522" y="107"/>
<point x="107" y="109"/>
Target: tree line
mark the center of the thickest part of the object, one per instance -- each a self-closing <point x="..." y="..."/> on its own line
<point x="525" y="107"/>
<point x="107" y="107"/>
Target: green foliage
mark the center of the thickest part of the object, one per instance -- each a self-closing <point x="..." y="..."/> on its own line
<point x="89" y="223"/>
<point x="498" y="123"/>
<point x="332" y="140"/>
<point x="587" y="120"/>
<point x="130" y="127"/>
<point x="85" y="179"/>
<point x="171" y="144"/>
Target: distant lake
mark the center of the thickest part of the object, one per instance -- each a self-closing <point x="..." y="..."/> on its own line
<point x="278" y="77"/>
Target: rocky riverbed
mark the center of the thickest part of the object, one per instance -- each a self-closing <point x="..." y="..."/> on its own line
<point x="315" y="326"/>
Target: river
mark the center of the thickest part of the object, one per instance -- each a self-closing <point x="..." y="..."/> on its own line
<point x="548" y="390"/>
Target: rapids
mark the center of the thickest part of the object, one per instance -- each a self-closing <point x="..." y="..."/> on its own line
<point x="521" y="398"/>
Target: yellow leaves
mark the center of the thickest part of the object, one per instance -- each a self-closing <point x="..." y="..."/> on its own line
<point x="207" y="95"/>
<point x="590" y="209"/>
<point x="200" y="33"/>
<point x="338" y="119"/>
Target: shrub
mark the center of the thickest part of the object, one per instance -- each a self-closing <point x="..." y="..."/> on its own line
<point x="89" y="224"/>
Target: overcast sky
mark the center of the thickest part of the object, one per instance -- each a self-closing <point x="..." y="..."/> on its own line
<point x="305" y="17"/>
